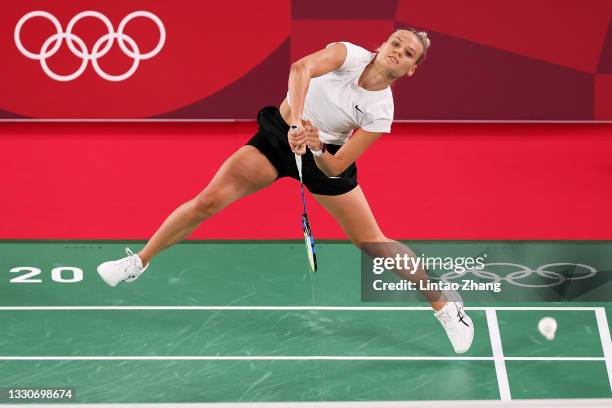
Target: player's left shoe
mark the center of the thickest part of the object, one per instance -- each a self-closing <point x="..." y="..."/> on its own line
<point x="126" y="269"/>
<point x="458" y="325"/>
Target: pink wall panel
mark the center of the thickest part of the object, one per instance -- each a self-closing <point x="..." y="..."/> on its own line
<point x="489" y="60"/>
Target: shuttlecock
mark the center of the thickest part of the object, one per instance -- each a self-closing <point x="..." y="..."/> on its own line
<point x="547" y="327"/>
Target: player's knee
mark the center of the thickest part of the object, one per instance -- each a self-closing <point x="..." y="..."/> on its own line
<point x="207" y="203"/>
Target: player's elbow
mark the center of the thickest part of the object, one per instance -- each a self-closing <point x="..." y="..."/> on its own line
<point x="300" y="68"/>
<point x="328" y="173"/>
<point x="336" y="170"/>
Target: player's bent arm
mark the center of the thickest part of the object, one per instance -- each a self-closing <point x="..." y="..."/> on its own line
<point x="332" y="165"/>
<point x="311" y="66"/>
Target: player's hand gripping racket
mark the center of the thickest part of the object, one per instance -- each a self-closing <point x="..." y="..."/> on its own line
<point x="310" y="244"/>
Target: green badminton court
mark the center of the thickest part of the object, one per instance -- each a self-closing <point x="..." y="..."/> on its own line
<point x="247" y="321"/>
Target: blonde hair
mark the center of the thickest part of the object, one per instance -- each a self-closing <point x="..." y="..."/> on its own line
<point x="422" y="36"/>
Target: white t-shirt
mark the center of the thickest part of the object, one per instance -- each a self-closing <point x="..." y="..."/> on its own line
<point x="337" y="105"/>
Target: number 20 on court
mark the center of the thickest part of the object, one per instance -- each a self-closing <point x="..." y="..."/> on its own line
<point x="61" y="274"/>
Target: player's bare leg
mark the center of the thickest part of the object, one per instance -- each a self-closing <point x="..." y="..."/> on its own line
<point x="243" y="173"/>
<point x="352" y="211"/>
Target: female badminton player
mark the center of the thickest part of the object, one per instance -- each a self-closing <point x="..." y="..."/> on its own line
<point x="337" y="92"/>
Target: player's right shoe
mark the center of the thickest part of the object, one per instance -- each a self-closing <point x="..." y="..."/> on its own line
<point x="126" y="269"/>
<point x="457" y="324"/>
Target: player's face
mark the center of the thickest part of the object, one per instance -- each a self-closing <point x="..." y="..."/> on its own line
<point x="400" y="52"/>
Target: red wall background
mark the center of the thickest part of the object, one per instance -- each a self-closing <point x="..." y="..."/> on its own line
<point x="424" y="181"/>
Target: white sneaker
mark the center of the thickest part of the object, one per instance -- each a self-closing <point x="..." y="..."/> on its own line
<point x="126" y="269"/>
<point x="458" y="325"/>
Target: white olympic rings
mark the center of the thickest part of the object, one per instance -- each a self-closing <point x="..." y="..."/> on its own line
<point x="101" y="47"/>
<point x="523" y="272"/>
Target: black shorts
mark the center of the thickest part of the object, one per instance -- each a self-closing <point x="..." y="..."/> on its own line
<point x="271" y="140"/>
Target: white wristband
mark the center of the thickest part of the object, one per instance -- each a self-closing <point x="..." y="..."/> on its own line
<point x="316" y="153"/>
<point x="320" y="152"/>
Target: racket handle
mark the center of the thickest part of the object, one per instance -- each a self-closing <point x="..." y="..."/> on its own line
<point x="298" y="162"/>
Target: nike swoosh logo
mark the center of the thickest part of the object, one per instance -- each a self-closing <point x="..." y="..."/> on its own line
<point x="359" y="110"/>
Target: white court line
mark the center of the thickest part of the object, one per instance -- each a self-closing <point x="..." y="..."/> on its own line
<point x="523" y="308"/>
<point x="246" y="358"/>
<point x="536" y="403"/>
<point x="286" y="358"/>
<point x="498" y="356"/>
<point x="554" y="358"/>
<point x="606" y="342"/>
<point x="346" y="308"/>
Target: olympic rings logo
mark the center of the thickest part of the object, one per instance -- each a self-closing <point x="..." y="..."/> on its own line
<point x="543" y="272"/>
<point x="101" y="47"/>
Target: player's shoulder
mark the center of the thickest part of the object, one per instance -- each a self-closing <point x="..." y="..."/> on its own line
<point x="352" y="49"/>
<point x="356" y="56"/>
